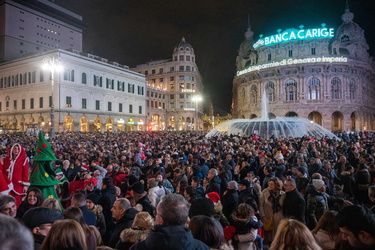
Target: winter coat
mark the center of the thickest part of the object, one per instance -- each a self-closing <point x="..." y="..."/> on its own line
<point x="325" y="241"/>
<point x="230" y="202"/>
<point x="123" y="223"/>
<point x="294" y="206"/>
<point x="106" y="201"/>
<point x="214" y="185"/>
<point x="130" y="236"/>
<point x="155" y="194"/>
<point x="349" y="185"/>
<point x="100" y="220"/>
<point x="265" y="208"/>
<point x="170" y="238"/>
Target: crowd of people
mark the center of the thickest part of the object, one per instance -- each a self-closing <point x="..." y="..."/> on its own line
<point x="181" y="190"/>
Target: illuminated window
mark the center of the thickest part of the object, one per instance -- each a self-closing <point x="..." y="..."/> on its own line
<point x="314" y="89"/>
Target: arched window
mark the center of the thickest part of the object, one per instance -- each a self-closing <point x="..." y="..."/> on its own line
<point x="314" y="89"/>
<point x="84" y="78"/>
<point x="352" y="89"/>
<point x="336" y="88"/>
<point x="290" y="90"/>
<point x="254" y="94"/>
<point x="270" y="90"/>
<point x="345" y="38"/>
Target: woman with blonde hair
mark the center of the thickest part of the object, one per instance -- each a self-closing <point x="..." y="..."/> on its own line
<point x="326" y="232"/>
<point x="52" y="203"/>
<point x="65" y="234"/>
<point x="270" y="207"/>
<point x="293" y="235"/>
<point x="139" y="231"/>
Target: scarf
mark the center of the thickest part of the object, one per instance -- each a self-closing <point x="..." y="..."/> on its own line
<point x="275" y="201"/>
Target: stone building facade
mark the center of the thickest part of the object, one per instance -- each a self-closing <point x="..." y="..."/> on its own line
<point x="323" y="74"/>
<point x="90" y="94"/>
<point x="172" y="85"/>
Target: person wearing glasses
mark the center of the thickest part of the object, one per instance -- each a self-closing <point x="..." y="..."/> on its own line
<point x="294" y="204"/>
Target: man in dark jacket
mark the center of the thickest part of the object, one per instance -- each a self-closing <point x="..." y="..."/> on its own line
<point x="294" y="204"/>
<point x="124" y="214"/>
<point x="169" y="231"/>
<point x="245" y="192"/>
<point x="230" y="199"/>
<point x="214" y="181"/>
<point x="79" y="201"/>
<point x="106" y="201"/>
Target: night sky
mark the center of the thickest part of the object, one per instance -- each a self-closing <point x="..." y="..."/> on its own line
<point x="137" y="31"/>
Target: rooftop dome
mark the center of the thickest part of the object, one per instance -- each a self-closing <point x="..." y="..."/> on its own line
<point x="183" y="44"/>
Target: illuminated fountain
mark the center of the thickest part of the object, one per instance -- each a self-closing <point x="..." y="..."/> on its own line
<point x="278" y="127"/>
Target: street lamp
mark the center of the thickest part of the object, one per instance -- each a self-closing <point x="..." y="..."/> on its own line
<point x="196" y="99"/>
<point x="52" y="65"/>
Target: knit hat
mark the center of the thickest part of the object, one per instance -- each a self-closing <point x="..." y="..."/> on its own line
<point x="152" y="183"/>
<point x="303" y="170"/>
<point x="232" y="185"/>
<point x="318" y="183"/>
<point x="94" y="197"/>
<point x="43" y="150"/>
<point x="244" y="182"/>
<point x="215" y="197"/>
<point x="37" y="216"/>
<point x="132" y="179"/>
<point x="138" y="187"/>
<point x="202" y="206"/>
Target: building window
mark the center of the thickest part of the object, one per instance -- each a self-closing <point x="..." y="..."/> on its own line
<point x="41" y="76"/>
<point x="290" y="90"/>
<point x="270" y="91"/>
<point x="171" y="78"/>
<point x="130" y="108"/>
<point x="181" y="78"/>
<point x="171" y="97"/>
<point x="109" y="106"/>
<point x="171" y="105"/>
<point x="181" y="96"/>
<point x="345" y="38"/>
<point x="32" y="103"/>
<point x="84" y="103"/>
<point x="269" y="57"/>
<point x="181" y="68"/>
<point x="15" y="104"/>
<point x="181" y="105"/>
<point x="40" y="102"/>
<point x="68" y="101"/>
<point x="97" y="105"/>
<point x="314" y="89"/>
<point x="352" y="89"/>
<point x="153" y="71"/>
<point x="146" y="72"/>
<point x="161" y="71"/>
<point x="188" y="58"/>
<point x="172" y="86"/>
<point x="290" y="53"/>
<point x="140" y="109"/>
<point x="313" y="51"/>
<point x="120" y="107"/>
<point x="50" y="101"/>
<point x="182" y="86"/>
<point x="1" y="106"/>
<point x="171" y="69"/>
<point x="69" y="75"/>
<point x="84" y="78"/>
<point x="181" y="58"/>
<point x="336" y="88"/>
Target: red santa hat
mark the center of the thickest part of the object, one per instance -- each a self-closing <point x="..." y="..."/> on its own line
<point x="215" y="197"/>
<point x="91" y="181"/>
<point x="85" y="167"/>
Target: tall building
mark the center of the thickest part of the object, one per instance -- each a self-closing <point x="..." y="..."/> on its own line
<point x="173" y="86"/>
<point x="320" y="73"/>
<point x="90" y="94"/>
<point x="34" y="26"/>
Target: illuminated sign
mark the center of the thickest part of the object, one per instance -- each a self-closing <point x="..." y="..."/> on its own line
<point x="293" y="34"/>
<point x="291" y="62"/>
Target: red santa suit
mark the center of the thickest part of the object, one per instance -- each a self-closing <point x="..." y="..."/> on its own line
<point x="5" y="184"/>
<point x="17" y="170"/>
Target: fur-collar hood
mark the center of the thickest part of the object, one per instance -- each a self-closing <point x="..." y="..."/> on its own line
<point x="134" y="235"/>
<point x="98" y="209"/>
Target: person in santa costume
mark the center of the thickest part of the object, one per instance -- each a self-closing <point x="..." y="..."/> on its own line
<point x="42" y="175"/>
<point x="16" y="169"/>
<point x="5" y="184"/>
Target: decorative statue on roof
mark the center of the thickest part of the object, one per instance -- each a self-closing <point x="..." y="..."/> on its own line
<point x="42" y="175"/>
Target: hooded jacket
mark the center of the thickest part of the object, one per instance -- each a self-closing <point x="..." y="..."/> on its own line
<point x="169" y="238"/>
<point x="214" y="185"/>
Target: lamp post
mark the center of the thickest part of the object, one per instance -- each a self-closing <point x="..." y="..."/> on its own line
<point x="196" y="99"/>
<point x="52" y="65"/>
